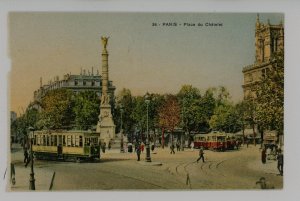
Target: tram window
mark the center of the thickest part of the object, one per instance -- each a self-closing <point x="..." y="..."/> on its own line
<point x="59" y="141"/>
<point x="76" y="141"/>
<point x="38" y="140"/>
<point x="51" y="140"/>
<point x="73" y="140"/>
<point x="69" y="140"/>
<point x="214" y="138"/>
<point x="64" y="140"/>
<point x="44" y="140"/>
<point x="94" y="140"/>
<point x="80" y="141"/>
<point x="48" y="140"/>
<point x="87" y="141"/>
<point x="55" y="140"/>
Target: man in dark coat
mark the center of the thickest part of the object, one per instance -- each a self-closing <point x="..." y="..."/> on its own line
<point x="263" y="156"/>
<point x="25" y="155"/>
<point x="138" y="151"/>
<point x="201" y="155"/>
<point x="280" y="162"/>
<point x="172" y="147"/>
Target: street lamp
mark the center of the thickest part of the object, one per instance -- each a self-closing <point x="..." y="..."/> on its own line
<point x="121" y="130"/>
<point x="31" y="180"/>
<point x="148" y="158"/>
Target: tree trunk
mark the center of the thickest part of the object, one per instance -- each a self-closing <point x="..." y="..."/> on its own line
<point x="261" y="137"/>
<point x="182" y="142"/>
<point x="243" y="133"/>
<point x="254" y="134"/>
<point x="163" y="138"/>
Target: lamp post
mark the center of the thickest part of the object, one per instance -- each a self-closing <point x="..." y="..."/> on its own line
<point x="148" y="158"/>
<point x="31" y="180"/>
<point x="121" y="130"/>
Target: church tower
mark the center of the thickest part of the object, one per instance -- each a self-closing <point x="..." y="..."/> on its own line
<point x="268" y="40"/>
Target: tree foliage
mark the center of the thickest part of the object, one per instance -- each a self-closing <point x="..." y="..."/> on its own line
<point x="169" y="113"/>
<point x="125" y="104"/>
<point x="57" y="109"/>
<point x="86" y="109"/>
<point x="270" y="97"/>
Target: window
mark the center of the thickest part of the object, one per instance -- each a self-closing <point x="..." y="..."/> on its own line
<point x="73" y="140"/>
<point x="84" y="82"/>
<point x="94" y="140"/>
<point x="69" y="139"/>
<point x="55" y="140"/>
<point x="76" y="83"/>
<point x="87" y="141"/>
<point x="64" y="140"/>
<point x="48" y="140"/>
<point x="59" y="140"/>
<point x="44" y="140"/>
<point x="80" y="141"/>
<point x="93" y="83"/>
<point x="76" y="141"/>
<point x="38" y="140"/>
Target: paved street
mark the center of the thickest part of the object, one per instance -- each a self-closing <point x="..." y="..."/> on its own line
<point x="238" y="169"/>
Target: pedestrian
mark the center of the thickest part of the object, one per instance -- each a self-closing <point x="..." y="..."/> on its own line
<point x="192" y="146"/>
<point x="25" y="155"/>
<point x="201" y="155"/>
<point x="172" y="147"/>
<point x="152" y="147"/>
<point x="103" y="147"/>
<point x="109" y="145"/>
<point x="237" y="144"/>
<point x="142" y="147"/>
<point x="178" y="146"/>
<point x="28" y="159"/>
<point x="138" y="151"/>
<point x="247" y="143"/>
<point x="280" y="162"/>
<point x="12" y="174"/>
<point x="263" y="156"/>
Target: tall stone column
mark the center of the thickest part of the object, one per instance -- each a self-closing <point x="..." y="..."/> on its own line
<point x="105" y="125"/>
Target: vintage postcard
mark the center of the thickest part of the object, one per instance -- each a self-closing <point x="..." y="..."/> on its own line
<point x="146" y="101"/>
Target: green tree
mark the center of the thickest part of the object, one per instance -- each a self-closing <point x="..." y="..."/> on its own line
<point x="125" y="101"/>
<point x="57" y="109"/>
<point x="225" y="117"/>
<point x="189" y="99"/>
<point x="86" y="109"/>
<point x="139" y="112"/>
<point x="270" y="97"/>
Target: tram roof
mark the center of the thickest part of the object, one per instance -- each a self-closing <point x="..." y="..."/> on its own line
<point x="74" y="132"/>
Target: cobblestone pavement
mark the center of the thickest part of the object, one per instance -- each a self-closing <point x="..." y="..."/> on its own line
<point x="236" y="169"/>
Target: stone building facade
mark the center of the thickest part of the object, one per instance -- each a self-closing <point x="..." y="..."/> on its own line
<point x="269" y="39"/>
<point x="77" y="83"/>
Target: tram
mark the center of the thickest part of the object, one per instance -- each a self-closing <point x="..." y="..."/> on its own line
<point x="213" y="141"/>
<point x="200" y="140"/>
<point x="66" y="145"/>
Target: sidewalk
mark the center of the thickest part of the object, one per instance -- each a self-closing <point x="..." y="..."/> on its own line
<point x="42" y="179"/>
<point x="42" y="176"/>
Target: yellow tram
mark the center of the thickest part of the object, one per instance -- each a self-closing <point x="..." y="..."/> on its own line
<point x="66" y="145"/>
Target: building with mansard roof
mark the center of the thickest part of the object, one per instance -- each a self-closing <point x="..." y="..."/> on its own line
<point x="76" y="83"/>
<point x="269" y="39"/>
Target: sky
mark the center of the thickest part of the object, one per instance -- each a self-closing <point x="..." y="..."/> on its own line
<point x="142" y="57"/>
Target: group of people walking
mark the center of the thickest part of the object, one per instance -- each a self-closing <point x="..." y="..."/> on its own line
<point x="276" y="154"/>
